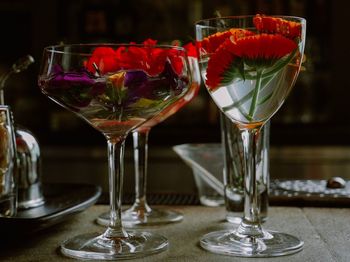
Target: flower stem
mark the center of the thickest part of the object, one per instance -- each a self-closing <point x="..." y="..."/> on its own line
<point x="244" y="99"/>
<point x="255" y="94"/>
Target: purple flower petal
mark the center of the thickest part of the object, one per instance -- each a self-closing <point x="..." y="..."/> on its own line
<point x="66" y="80"/>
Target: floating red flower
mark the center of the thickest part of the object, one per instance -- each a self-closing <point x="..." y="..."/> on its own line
<point x="146" y="57"/>
<point x="277" y="25"/>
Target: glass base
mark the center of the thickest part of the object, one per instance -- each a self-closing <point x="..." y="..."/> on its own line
<point x="96" y="246"/>
<point x="234" y="218"/>
<point x="135" y="218"/>
<point x="273" y="244"/>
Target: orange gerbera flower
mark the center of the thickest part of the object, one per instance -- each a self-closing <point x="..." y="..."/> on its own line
<point x="264" y="47"/>
<point x="212" y="42"/>
<point x="277" y="25"/>
<point x="255" y="51"/>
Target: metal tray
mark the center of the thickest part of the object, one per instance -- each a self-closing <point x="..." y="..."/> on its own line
<point x="308" y="192"/>
<point x="61" y="202"/>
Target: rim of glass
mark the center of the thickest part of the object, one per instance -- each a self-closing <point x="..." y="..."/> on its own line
<point x="59" y="49"/>
<point x="199" y="22"/>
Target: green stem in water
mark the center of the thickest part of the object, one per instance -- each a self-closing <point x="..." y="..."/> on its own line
<point x="266" y="78"/>
<point x="239" y="103"/>
<point x="255" y="94"/>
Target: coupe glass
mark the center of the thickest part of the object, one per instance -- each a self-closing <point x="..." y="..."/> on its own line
<point x="140" y="213"/>
<point x="249" y="65"/>
<point x="115" y="88"/>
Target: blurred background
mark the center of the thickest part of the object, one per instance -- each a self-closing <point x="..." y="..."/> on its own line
<point x="315" y="114"/>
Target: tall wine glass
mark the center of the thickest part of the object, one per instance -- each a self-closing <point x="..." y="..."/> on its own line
<point x="249" y="64"/>
<point x="115" y="88"/>
<point x="140" y="213"/>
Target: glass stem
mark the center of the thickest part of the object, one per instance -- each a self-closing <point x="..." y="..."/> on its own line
<point x="250" y="225"/>
<point x="2" y="99"/>
<point x="140" y="140"/>
<point x="116" y="172"/>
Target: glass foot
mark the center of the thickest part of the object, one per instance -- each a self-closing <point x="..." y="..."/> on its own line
<point x="135" y="218"/>
<point x="96" y="246"/>
<point x="272" y="244"/>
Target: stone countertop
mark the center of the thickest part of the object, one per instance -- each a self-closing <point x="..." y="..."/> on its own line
<point x="325" y="231"/>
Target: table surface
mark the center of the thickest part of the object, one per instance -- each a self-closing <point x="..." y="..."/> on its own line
<point x="325" y="231"/>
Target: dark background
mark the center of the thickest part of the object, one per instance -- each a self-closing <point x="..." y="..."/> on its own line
<point x="316" y="113"/>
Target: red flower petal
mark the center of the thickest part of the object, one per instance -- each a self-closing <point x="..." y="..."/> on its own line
<point x="104" y="58"/>
<point x="212" y="42"/>
<point x="133" y="57"/>
<point x="277" y="25"/>
<point x="150" y="42"/>
<point x="218" y="63"/>
<point x="147" y="58"/>
<point x="191" y="50"/>
<point x="264" y="46"/>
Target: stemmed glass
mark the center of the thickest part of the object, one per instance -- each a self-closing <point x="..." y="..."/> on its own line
<point x="249" y="64"/>
<point x="115" y="88"/>
<point x="140" y="213"/>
